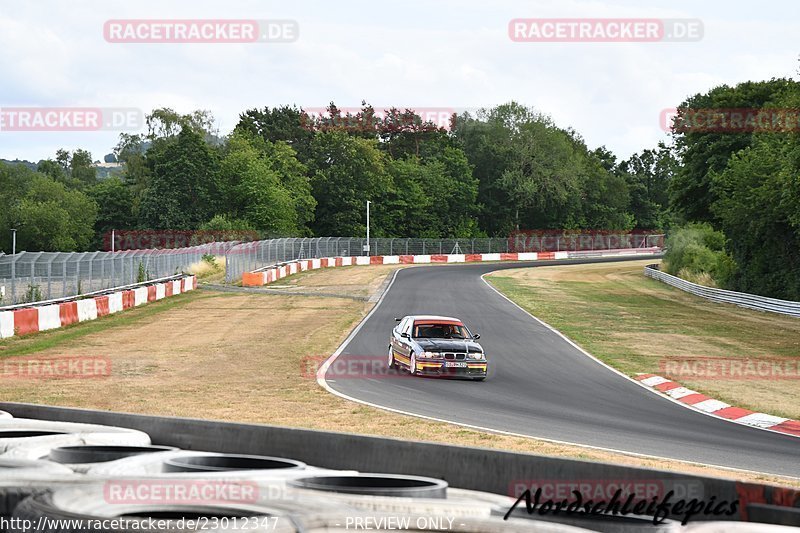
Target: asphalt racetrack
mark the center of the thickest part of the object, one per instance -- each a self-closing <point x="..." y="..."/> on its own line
<point x="540" y="385"/>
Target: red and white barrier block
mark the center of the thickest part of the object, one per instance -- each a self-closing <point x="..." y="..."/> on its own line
<point x="52" y="316"/>
<point x="267" y="276"/>
<point x="720" y="409"/>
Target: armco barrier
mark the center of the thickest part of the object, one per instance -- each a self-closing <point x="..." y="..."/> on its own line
<point x="275" y="272"/>
<point x="462" y="467"/>
<point x="742" y="299"/>
<point x="59" y="314"/>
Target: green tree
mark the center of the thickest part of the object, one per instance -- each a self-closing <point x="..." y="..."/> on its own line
<point x="411" y="209"/>
<point x="184" y="189"/>
<point x="293" y="175"/>
<point x="542" y="180"/>
<point x="255" y="192"/>
<point x="15" y="180"/>
<point x="52" y="218"/>
<point x="287" y="123"/>
<point x="81" y="168"/>
<point x="73" y="169"/>
<point x="705" y="153"/>
<point x="758" y="210"/>
<point x="648" y="175"/>
<point x="346" y="172"/>
<point x="115" y="208"/>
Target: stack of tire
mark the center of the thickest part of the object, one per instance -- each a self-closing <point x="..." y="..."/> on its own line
<point x="61" y="477"/>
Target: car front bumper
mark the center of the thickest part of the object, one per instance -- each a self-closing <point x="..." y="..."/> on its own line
<point x="428" y="367"/>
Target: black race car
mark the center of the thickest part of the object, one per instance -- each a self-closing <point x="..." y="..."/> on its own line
<point x="429" y="345"/>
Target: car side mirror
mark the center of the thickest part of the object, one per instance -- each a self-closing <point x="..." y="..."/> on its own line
<point x="476" y="336"/>
<point x="405" y="335"/>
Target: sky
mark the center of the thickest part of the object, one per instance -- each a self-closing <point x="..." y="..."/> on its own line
<point x="438" y="54"/>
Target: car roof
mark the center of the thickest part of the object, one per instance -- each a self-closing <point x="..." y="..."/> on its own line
<point x="435" y="317"/>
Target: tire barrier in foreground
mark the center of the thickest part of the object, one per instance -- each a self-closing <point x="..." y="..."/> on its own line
<point x="178" y="490"/>
<point x="22" y="438"/>
<point x="213" y="462"/>
<point x="274" y="273"/>
<point x="376" y="485"/>
<point x="87" y="454"/>
<point x="45" y="317"/>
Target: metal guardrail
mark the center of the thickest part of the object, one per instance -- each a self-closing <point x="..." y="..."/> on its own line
<point x="742" y="299"/>
<point x="91" y="294"/>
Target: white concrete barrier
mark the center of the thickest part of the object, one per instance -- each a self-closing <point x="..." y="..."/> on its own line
<point x="115" y="302"/>
<point x="87" y="309"/>
<point x="6" y="324"/>
<point x="49" y="317"/>
<point x="139" y="296"/>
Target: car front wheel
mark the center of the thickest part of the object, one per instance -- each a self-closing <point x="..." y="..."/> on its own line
<point x="392" y="362"/>
<point x="413" y="368"/>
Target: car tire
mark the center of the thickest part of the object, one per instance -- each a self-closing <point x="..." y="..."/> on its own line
<point x="412" y="365"/>
<point x="392" y="362"/>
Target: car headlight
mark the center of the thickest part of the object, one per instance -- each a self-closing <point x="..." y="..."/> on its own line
<point x="478" y="356"/>
<point x="428" y="355"/>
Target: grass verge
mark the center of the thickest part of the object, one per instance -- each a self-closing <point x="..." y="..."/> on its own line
<point x="640" y="325"/>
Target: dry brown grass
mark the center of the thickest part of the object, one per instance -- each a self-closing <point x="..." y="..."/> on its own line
<point x="350" y="281"/>
<point x="243" y="357"/>
<point x="209" y="272"/>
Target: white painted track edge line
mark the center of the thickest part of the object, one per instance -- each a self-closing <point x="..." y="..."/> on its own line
<point x="652" y="390"/>
<point x="328" y="362"/>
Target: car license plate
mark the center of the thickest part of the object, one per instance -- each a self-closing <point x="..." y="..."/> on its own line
<point x="455" y="364"/>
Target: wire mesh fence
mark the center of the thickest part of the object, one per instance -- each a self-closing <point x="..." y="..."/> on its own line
<point x="36" y="276"/>
<point x="250" y="256"/>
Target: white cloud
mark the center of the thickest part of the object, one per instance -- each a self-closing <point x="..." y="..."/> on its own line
<point x="429" y="54"/>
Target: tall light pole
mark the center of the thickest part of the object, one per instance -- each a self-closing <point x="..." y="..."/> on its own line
<point x="366" y="248"/>
<point x="13" y="241"/>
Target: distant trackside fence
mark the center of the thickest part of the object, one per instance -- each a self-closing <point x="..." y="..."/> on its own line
<point x="35" y="276"/>
<point x="250" y="256"/>
<point x="750" y="301"/>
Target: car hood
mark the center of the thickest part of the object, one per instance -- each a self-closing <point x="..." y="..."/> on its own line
<point x="449" y="345"/>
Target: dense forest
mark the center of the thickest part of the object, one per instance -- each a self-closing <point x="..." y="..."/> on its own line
<point x="730" y="200"/>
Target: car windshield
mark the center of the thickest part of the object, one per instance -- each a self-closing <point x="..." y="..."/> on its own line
<point x="440" y="331"/>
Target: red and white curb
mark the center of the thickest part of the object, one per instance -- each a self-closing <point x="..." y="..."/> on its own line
<point x="57" y="315"/>
<point x="264" y="277"/>
<point x="720" y="409"/>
